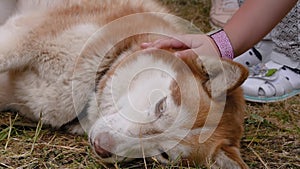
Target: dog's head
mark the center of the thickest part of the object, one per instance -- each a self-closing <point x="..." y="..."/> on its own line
<point x="152" y="104"/>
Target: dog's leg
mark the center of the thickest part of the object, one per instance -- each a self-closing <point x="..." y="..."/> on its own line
<point x="6" y="92"/>
<point x="228" y="157"/>
<point x="12" y="34"/>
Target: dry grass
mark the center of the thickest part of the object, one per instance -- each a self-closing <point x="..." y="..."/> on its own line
<point x="272" y="135"/>
<point x="271" y="138"/>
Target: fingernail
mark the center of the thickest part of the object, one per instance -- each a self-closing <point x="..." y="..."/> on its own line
<point x="145" y="45"/>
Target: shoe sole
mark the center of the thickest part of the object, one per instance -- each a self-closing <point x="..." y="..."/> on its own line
<point x="272" y="99"/>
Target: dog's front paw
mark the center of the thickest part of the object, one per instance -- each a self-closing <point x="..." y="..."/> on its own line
<point x="74" y="128"/>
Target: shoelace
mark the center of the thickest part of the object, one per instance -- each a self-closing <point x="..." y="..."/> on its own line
<point x="261" y="70"/>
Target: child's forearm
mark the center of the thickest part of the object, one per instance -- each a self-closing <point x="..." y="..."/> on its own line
<point x="254" y="20"/>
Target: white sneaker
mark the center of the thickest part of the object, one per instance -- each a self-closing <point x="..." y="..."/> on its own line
<point x="283" y="59"/>
<point x="260" y="53"/>
<point x="275" y="82"/>
<point x="221" y="11"/>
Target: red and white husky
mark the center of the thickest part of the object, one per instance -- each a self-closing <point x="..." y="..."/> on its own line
<point x="81" y="59"/>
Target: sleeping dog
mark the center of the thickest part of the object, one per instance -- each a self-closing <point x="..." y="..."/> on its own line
<point x="77" y="64"/>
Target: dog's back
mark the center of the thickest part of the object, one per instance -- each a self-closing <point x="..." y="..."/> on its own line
<point x="40" y="44"/>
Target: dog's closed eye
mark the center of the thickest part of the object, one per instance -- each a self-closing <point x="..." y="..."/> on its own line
<point x="161" y="107"/>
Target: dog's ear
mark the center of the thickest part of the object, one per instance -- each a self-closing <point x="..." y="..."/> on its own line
<point x="218" y="76"/>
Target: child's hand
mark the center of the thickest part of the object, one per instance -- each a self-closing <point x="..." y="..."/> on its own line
<point x="188" y="45"/>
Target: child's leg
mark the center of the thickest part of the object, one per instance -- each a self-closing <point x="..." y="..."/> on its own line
<point x="286" y="38"/>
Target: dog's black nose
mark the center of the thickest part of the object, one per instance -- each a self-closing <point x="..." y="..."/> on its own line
<point x="102" y="152"/>
<point x="102" y="144"/>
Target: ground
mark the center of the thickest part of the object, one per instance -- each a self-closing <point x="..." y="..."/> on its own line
<point x="271" y="138"/>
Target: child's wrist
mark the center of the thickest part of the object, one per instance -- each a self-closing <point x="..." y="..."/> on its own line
<point x="223" y="44"/>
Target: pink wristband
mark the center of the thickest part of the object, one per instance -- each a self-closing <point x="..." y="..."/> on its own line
<point x="223" y="44"/>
